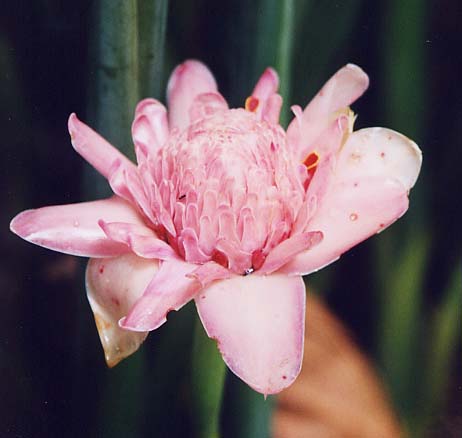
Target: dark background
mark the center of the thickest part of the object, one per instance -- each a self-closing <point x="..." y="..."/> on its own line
<point x="53" y="380"/>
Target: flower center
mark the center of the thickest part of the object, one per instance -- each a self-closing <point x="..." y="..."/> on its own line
<point x="226" y="189"/>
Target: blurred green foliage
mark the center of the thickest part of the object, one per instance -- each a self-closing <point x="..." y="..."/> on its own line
<point x="400" y="293"/>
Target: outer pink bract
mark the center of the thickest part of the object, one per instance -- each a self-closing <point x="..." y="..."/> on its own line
<point x="226" y="208"/>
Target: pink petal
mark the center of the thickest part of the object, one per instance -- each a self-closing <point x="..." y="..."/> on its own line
<point x="349" y="214"/>
<point x="170" y="289"/>
<point x="380" y="151"/>
<point x="140" y="239"/>
<point x="94" y="148"/>
<point x="258" y="322"/>
<point x="150" y="127"/>
<point x="186" y="82"/>
<point x="288" y="249"/>
<point x="375" y="170"/>
<point x="206" y="105"/>
<point x="269" y="102"/>
<point x="73" y="228"/>
<point x="113" y="286"/>
<point x="272" y="109"/>
<point x="127" y="183"/>
<point x="340" y="91"/>
<point x="190" y="243"/>
<point x="267" y="85"/>
<point x="209" y="272"/>
<point x="327" y="146"/>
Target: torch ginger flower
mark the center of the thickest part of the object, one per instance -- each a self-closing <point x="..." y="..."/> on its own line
<point x="226" y="208"/>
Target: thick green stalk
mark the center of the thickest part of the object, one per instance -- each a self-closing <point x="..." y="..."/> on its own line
<point x="207" y="381"/>
<point x="114" y="93"/>
<point x="152" y="22"/>
<point x="402" y="252"/>
<point x="207" y="378"/>
<point x="116" y="68"/>
<point x="274" y="44"/>
<point x="445" y="333"/>
<point x="249" y="413"/>
<point x="284" y="55"/>
<point x="401" y="322"/>
<point x="113" y="80"/>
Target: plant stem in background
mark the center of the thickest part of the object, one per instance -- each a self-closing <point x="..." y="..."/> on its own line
<point x="402" y="263"/>
<point x="274" y="44"/>
<point x="207" y="378"/>
<point x="127" y="59"/>
<point x="116" y="67"/>
<point x="113" y="97"/>
<point x="249" y="414"/>
<point x="401" y="306"/>
<point x="284" y="55"/>
<point x="444" y="334"/>
<point x="113" y="89"/>
<point x="152" y="23"/>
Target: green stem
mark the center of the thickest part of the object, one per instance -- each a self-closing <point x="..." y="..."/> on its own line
<point x="113" y="91"/>
<point x="442" y="348"/>
<point x="250" y="411"/>
<point x="401" y="318"/>
<point x="276" y="18"/>
<point x="403" y="252"/>
<point x="116" y="67"/>
<point x="112" y="100"/>
<point x="152" y="28"/>
<point x="208" y="378"/>
<point x="284" y="54"/>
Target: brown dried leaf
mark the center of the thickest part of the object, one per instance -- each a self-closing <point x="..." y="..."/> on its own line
<point x="337" y="393"/>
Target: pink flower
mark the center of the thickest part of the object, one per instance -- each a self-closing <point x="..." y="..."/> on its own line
<point x="226" y="208"/>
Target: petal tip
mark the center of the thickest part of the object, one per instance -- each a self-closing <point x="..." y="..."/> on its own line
<point x="275" y="386"/>
<point x="74" y="127"/>
<point x="359" y="74"/>
<point x="142" y="104"/>
<point x="191" y="67"/>
<point x="140" y="323"/>
<point x="72" y="124"/>
<point x="272" y="74"/>
<point x="410" y="155"/>
<point x="19" y="224"/>
<point x="127" y="325"/>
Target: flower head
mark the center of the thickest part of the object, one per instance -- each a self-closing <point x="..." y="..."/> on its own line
<point x="226" y="208"/>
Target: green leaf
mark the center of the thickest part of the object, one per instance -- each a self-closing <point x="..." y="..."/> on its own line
<point x="401" y="318"/>
<point x="405" y="248"/>
<point x="404" y="84"/>
<point x="444" y="335"/>
<point x="207" y="379"/>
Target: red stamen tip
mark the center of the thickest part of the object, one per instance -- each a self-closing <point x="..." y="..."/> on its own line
<point x="251" y="104"/>
<point x="312" y="160"/>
